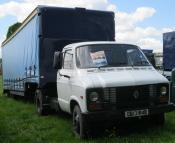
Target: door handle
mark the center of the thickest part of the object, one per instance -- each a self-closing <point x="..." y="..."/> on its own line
<point x="66" y="76"/>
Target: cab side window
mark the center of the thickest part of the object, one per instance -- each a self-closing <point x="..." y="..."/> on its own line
<point x="68" y="61"/>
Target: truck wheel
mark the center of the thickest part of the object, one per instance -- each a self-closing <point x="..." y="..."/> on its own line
<point x="79" y="124"/>
<point x="41" y="109"/>
<point x="158" y="119"/>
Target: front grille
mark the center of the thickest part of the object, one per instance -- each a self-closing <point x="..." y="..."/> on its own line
<point x="110" y="95"/>
<point x="152" y="90"/>
<point x="131" y="96"/>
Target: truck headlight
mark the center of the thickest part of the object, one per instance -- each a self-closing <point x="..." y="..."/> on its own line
<point x="93" y="96"/>
<point x="163" y="91"/>
<point x="94" y="99"/>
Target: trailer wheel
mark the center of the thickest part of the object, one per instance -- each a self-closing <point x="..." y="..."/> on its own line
<point x="41" y="108"/>
<point x="79" y="124"/>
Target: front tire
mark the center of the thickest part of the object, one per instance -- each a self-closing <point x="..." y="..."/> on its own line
<point x="79" y="124"/>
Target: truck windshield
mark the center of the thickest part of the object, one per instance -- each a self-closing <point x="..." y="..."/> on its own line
<point x="109" y="55"/>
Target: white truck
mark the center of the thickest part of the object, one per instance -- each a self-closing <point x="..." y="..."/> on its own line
<point x="93" y="81"/>
<point x="106" y="81"/>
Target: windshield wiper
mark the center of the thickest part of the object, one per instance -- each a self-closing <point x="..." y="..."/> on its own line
<point x="141" y="63"/>
<point x="114" y="65"/>
<point x="102" y="66"/>
<point x="121" y="64"/>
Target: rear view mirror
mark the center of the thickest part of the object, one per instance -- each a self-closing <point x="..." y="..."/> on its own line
<point x="57" y="61"/>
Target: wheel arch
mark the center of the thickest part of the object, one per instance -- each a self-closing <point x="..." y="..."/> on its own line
<point x="73" y="102"/>
<point x="81" y="102"/>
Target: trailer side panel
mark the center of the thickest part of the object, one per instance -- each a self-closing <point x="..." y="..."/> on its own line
<point x="20" y="57"/>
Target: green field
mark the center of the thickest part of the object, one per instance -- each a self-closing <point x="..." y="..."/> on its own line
<point x="19" y="123"/>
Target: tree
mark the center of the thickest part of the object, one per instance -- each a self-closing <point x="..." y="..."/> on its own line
<point x="12" y="29"/>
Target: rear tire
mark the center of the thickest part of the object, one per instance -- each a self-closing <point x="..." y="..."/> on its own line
<point x="42" y="109"/>
<point x="79" y="123"/>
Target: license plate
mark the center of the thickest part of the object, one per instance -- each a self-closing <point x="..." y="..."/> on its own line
<point x="136" y="113"/>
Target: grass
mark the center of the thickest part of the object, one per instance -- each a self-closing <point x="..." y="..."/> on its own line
<point x="19" y="123"/>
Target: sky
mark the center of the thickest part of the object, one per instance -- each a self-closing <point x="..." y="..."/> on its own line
<point x="139" y="22"/>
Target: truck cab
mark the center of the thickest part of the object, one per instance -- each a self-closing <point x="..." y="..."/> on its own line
<point x="106" y="81"/>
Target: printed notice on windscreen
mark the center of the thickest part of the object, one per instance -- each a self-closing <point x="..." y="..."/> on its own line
<point x="99" y="58"/>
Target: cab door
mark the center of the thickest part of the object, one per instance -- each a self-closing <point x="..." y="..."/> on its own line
<point x="64" y="81"/>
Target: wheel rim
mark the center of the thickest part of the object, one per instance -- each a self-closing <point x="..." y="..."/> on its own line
<point x="76" y="121"/>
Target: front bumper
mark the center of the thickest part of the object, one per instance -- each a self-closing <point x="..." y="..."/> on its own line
<point x="120" y="114"/>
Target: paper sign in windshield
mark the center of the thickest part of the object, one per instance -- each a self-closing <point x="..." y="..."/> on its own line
<point x="99" y="58"/>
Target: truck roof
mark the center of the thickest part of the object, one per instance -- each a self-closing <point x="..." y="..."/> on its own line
<point x="74" y="45"/>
